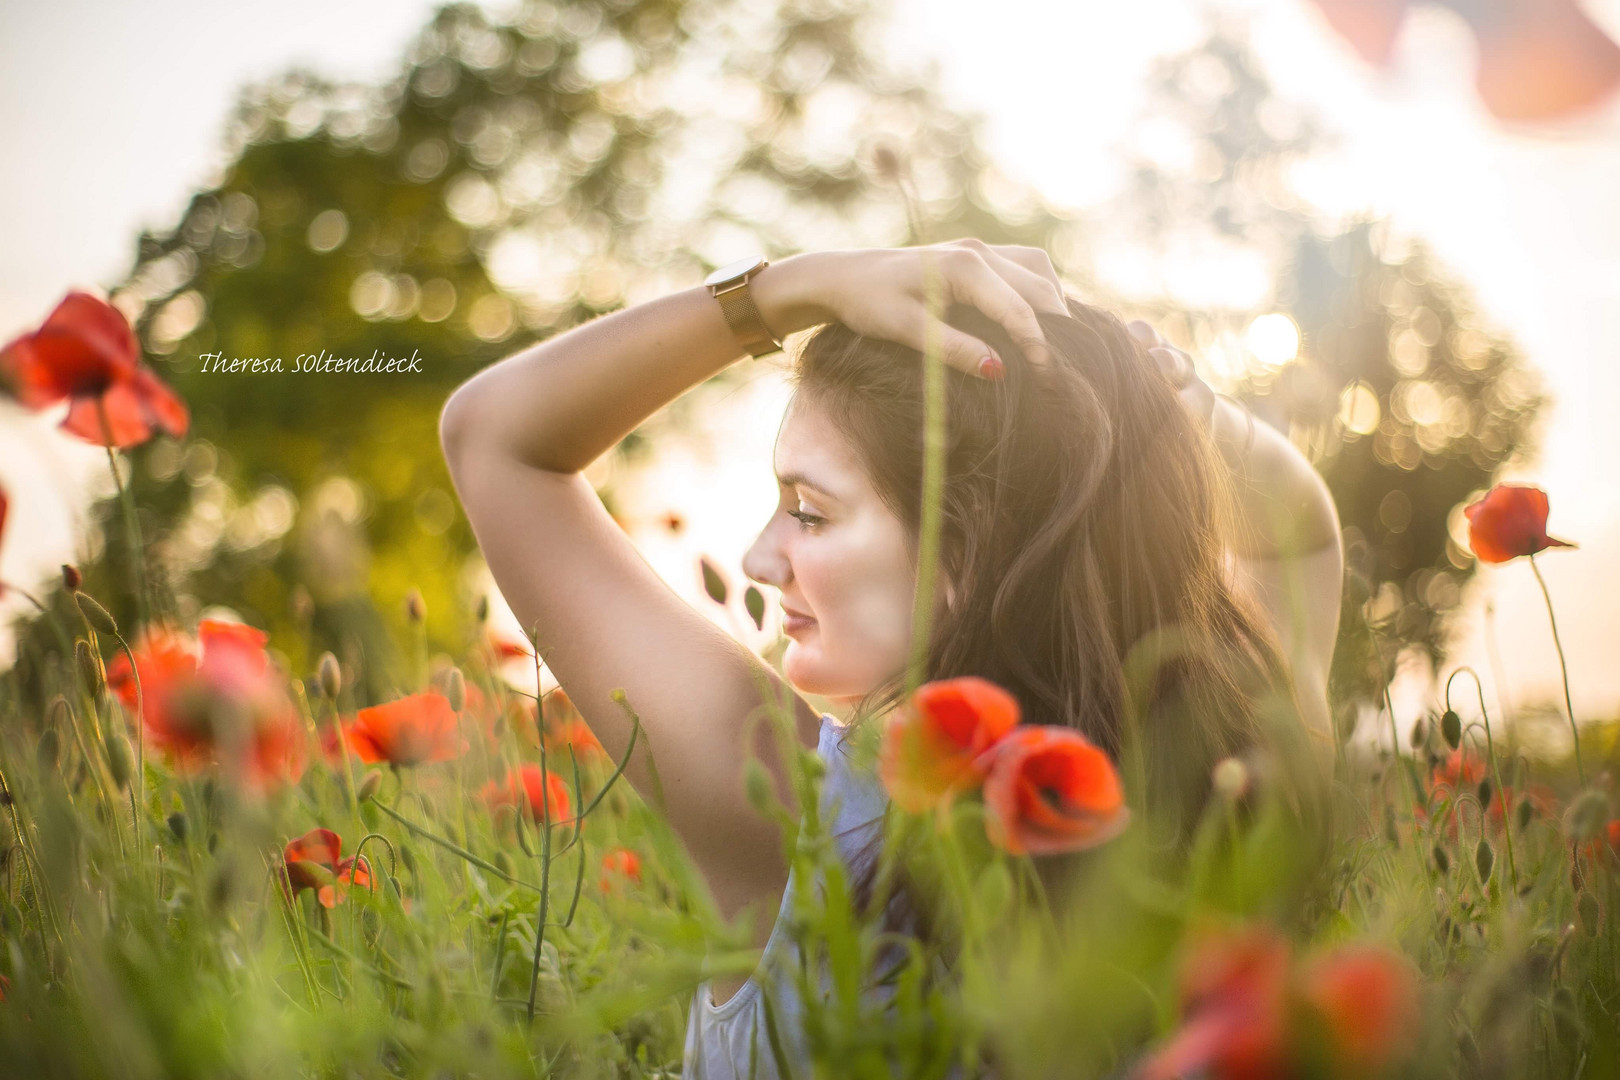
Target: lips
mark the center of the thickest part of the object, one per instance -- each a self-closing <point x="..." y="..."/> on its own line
<point x="795" y="614"/>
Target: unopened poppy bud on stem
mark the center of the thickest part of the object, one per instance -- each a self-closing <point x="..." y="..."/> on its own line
<point x="368" y="786"/>
<point x="94" y="614"/>
<point x="1230" y="779"/>
<point x="71" y="578"/>
<point x="90" y="669"/>
<point x="455" y="688"/>
<point x="330" y="675"/>
<point x="415" y="608"/>
<point x="120" y="762"/>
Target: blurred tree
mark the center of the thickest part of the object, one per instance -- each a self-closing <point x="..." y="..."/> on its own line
<point x="514" y="180"/>
<point x="1400" y="393"/>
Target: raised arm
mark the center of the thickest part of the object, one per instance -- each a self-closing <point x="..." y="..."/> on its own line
<point x="1287" y="550"/>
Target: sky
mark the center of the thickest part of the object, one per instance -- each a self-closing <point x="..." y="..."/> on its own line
<point x="118" y="139"/>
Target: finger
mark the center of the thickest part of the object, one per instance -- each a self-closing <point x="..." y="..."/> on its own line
<point x="1176" y="365"/>
<point x="1036" y="260"/>
<point x="1144" y="332"/>
<point x="970" y="279"/>
<point x="1043" y="293"/>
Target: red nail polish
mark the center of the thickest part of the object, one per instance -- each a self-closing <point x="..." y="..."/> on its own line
<point x="991" y="368"/>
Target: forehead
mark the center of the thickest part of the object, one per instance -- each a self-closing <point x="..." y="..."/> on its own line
<point x="810" y="447"/>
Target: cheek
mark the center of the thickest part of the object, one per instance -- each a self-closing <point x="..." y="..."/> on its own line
<point x="862" y="589"/>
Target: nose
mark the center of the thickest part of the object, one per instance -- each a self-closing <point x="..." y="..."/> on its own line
<point x="765" y="561"/>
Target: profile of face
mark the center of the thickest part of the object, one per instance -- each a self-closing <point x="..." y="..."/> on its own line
<point x="842" y="561"/>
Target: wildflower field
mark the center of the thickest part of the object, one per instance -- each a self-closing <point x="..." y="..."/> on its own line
<point x="219" y="864"/>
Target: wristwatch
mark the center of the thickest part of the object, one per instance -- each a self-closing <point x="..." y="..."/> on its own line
<point x="729" y="285"/>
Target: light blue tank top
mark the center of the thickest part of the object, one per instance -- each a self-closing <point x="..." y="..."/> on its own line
<point x="722" y="1039"/>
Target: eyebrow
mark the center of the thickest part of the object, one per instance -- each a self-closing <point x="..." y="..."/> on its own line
<point x="796" y="479"/>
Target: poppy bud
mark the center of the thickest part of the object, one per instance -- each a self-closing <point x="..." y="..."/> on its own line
<point x="71" y="578"/>
<point x="1586" y="908"/>
<point x="1420" y="733"/>
<point x="177" y="825"/>
<point x="1230" y="778"/>
<point x="502" y="863"/>
<point x="1391" y="833"/>
<point x="1485" y="793"/>
<point x="1451" y="728"/>
<point x="415" y="608"/>
<point x="120" y="762"/>
<point x="330" y="675"/>
<point x="1442" y="861"/>
<point x="407" y="855"/>
<point x="455" y="689"/>
<point x="368" y="786"/>
<point x="95" y="614"/>
<point x="1484" y="860"/>
<point x="1588" y="814"/>
<point x="1522" y="812"/>
<point x="483" y="609"/>
<point x="90" y="669"/>
<point x="49" y="750"/>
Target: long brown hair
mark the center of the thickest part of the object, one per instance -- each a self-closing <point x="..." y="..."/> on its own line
<point x="1084" y="512"/>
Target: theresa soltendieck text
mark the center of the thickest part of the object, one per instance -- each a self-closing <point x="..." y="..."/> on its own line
<point x="375" y="364"/>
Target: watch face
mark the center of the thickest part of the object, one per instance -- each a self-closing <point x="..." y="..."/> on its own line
<point x="731" y="271"/>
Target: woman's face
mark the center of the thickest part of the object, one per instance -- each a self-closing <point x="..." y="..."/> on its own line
<point x="845" y="565"/>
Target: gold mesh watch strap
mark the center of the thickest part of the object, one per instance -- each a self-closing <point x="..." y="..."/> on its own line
<point x="737" y="305"/>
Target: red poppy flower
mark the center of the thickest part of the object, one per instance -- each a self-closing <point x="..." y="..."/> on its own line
<point x="313" y="862"/>
<point x="1541" y="58"/>
<point x="1370" y="26"/>
<point x="1511" y="520"/>
<point x="535" y="790"/>
<point x="213" y="700"/>
<point x="86" y="353"/>
<point x="1368" y="999"/>
<point x="1050" y="790"/>
<point x="3" y="506"/>
<point x="410" y="731"/>
<point x="620" y="863"/>
<point x="936" y="748"/>
<point x="1538" y="59"/>
<point x="1234" y="1004"/>
<point x="1248" y="1015"/>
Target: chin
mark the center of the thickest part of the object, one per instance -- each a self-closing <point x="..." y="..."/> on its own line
<point x="810" y="677"/>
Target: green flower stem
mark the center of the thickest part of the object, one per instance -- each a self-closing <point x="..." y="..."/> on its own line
<point x="933" y="481"/>
<point x="1496" y="769"/>
<point x="1575" y="732"/>
<point x="453" y="847"/>
<point x="132" y="525"/>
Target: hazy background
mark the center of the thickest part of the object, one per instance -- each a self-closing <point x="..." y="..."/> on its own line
<point x="117" y="136"/>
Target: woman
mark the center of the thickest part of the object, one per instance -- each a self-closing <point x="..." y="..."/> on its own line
<point x="1083" y="509"/>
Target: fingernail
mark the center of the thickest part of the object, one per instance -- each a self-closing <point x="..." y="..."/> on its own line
<point x="991" y="368"/>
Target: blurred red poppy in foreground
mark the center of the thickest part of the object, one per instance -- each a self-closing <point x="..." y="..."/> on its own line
<point x="1050" y="790"/>
<point x="1248" y="1015"/>
<point x="1511" y="520"/>
<point x="936" y="748"/>
<point x="620" y="863"/>
<point x="413" y="730"/>
<point x="3" y="506"/>
<point x="1538" y="59"/>
<point x="214" y="698"/>
<point x="86" y="353"/>
<point x="536" y="790"/>
<point x="313" y="862"/>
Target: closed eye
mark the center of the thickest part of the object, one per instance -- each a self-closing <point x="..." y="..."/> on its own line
<point x="806" y="521"/>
